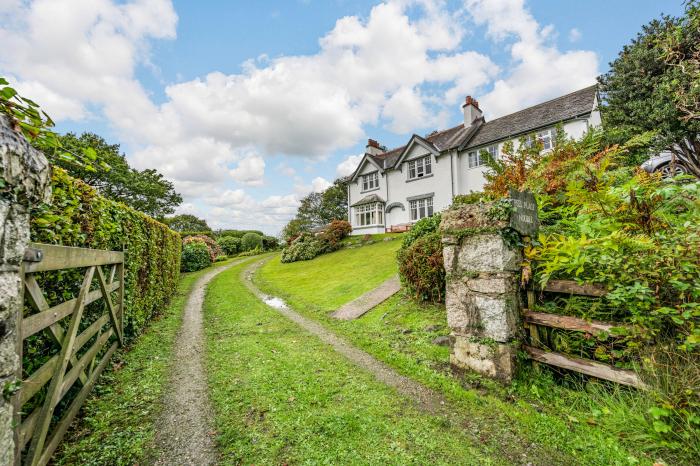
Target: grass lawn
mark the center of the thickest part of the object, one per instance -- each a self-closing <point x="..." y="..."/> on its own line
<point x="281" y="396"/>
<point x="400" y="333"/>
<point x="117" y="422"/>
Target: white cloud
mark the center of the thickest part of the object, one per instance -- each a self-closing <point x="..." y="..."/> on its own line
<point x="574" y="35"/>
<point x="320" y="184"/>
<point x="250" y="171"/>
<point x="349" y="165"/>
<point x="540" y="71"/>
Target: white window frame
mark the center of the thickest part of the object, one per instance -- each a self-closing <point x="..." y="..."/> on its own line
<point x="548" y="137"/>
<point x="371" y="214"/>
<point x="421" y="208"/>
<point x="475" y="158"/>
<point x="419" y="168"/>
<point x="370" y="181"/>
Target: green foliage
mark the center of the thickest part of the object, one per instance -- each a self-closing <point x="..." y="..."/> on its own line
<point x="653" y="86"/>
<point x="195" y="256"/>
<point x="229" y="244"/>
<point x="421" y="268"/>
<point x="307" y="246"/>
<point x="421" y="228"/>
<point x="146" y="190"/>
<point x="303" y="248"/>
<point x="212" y="246"/>
<point x="270" y="243"/>
<point x="471" y="198"/>
<point x="27" y="118"/>
<point x="236" y="233"/>
<point x="79" y="216"/>
<point x="251" y="241"/>
<point x="187" y="223"/>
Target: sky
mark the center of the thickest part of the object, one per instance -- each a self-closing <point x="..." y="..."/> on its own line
<point x="249" y="106"/>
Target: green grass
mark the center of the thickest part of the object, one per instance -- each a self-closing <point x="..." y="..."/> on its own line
<point x="117" y="422"/>
<point x="400" y="333"/>
<point x="281" y="396"/>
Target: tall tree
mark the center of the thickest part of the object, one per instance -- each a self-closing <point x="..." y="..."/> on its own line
<point x="319" y="209"/>
<point x="644" y="89"/>
<point x="146" y="190"/>
<point x="186" y="222"/>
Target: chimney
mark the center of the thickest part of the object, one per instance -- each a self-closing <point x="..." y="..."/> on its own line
<point x="373" y="148"/>
<point x="471" y="110"/>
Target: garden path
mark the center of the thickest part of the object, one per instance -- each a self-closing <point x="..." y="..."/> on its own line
<point x="427" y="399"/>
<point x="184" y="432"/>
<point x="360" y="306"/>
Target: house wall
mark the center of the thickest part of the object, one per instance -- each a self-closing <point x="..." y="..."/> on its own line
<point x="451" y="176"/>
<point x="472" y="179"/>
<point x="400" y="190"/>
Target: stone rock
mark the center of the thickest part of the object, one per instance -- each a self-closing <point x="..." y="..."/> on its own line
<point x="26" y="175"/>
<point x="432" y="328"/>
<point x="486" y="253"/>
<point x="442" y="341"/>
<point x="495" y="360"/>
<point x="497" y="317"/>
<point x="469" y="216"/>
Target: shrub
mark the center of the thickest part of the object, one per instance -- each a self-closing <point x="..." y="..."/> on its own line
<point x="79" y="216"/>
<point x="421" y="267"/>
<point x="212" y="246"/>
<point x="230" y="245"/>
<point x="250" y="241"/>
<point x="421" y="228"/>
<point x="304" y="248"/>
<point x="270" y="243"/>
<point x="252" y="252"/>
<point x="195" y="256"/>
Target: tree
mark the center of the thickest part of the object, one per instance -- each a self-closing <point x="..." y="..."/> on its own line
<point x="186" y="222"/>
<point x="334" y="202"/>
<point x="146" y="190"/>
<point x="319" y="209"/>
<point x="647" y="87"/>
<point x="251" y="241"/>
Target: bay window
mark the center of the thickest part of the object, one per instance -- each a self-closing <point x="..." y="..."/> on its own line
<point x="369" y="214"/>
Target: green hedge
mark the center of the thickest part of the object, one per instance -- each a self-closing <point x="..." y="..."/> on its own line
<point x="79" y="216"/>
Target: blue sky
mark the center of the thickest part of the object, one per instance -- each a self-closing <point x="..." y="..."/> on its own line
<point x="248" y="106"/>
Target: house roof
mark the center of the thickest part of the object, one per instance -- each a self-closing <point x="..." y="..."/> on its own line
<point x="547" y="113"/>
<point x="481" y="132"/>
<point x="368" y="200"/>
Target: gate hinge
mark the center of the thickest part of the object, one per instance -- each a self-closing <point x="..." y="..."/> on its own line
<point x="33" y="255"/>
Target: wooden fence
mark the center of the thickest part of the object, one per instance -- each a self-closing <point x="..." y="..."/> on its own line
<point x="532" y="320"/>
<point x="38" y="433"/>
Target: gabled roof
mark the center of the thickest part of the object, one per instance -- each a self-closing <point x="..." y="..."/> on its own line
<point x="367" y="158"/>
<point x="567" y="107"/>
<point x="417" y="140"/>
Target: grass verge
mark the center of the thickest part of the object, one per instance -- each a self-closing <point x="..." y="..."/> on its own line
<point x="400" y="333"/>
<point x="117" y="422"/>
<point x="281" y="396"/>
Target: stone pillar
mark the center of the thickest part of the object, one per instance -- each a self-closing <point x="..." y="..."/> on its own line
<point x="24" y="181"/>
<point x="482" y="296"/>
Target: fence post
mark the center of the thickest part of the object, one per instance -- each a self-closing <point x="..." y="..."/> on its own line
<point x="24" y="182"/>
<point x="482" y="297"/>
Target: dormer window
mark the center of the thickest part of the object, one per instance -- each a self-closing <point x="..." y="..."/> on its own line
<point x="418" y="168"/>
<point x="370" y="181"/>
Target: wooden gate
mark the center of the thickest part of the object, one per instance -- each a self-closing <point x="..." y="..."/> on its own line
<point x="532" y="320"/>
<point x="38" y="433"/>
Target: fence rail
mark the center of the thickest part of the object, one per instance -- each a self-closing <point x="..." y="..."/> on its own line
<point x="37" y="433"/>
<point x="532" y="319"/>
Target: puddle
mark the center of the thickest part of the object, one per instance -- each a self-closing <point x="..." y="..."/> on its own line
<point x="275" y="302"/>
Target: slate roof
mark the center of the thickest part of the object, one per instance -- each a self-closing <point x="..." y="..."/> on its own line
<point x="562" y="108"/>
<point x="368" y="199"/>
<point x="566" y="107"/>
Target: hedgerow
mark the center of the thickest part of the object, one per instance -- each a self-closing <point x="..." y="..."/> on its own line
<point x="79" y="216"/>
<point x="420" y="261"/>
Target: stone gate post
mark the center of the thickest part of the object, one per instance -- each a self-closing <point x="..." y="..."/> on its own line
<point x="482" y="296"/>
<point x="24" y="182"/>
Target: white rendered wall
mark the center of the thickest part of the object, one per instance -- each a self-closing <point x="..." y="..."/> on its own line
<point x="356" y="194"/>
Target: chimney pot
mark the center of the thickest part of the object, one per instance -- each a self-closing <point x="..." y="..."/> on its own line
<point x="372" y="143"/>
<point x="471" y="110"/>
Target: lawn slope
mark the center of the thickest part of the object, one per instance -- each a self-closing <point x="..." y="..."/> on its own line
<point x="400" y="332"/>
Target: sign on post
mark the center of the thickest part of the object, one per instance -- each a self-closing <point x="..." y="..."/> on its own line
<point x="524" y="217"/>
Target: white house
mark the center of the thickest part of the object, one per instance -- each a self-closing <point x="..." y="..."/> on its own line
<point x="391" y="189"/>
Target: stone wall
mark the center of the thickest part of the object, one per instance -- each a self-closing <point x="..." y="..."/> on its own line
<point x="24" y="181"/>
<point x="482" y="297"/>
